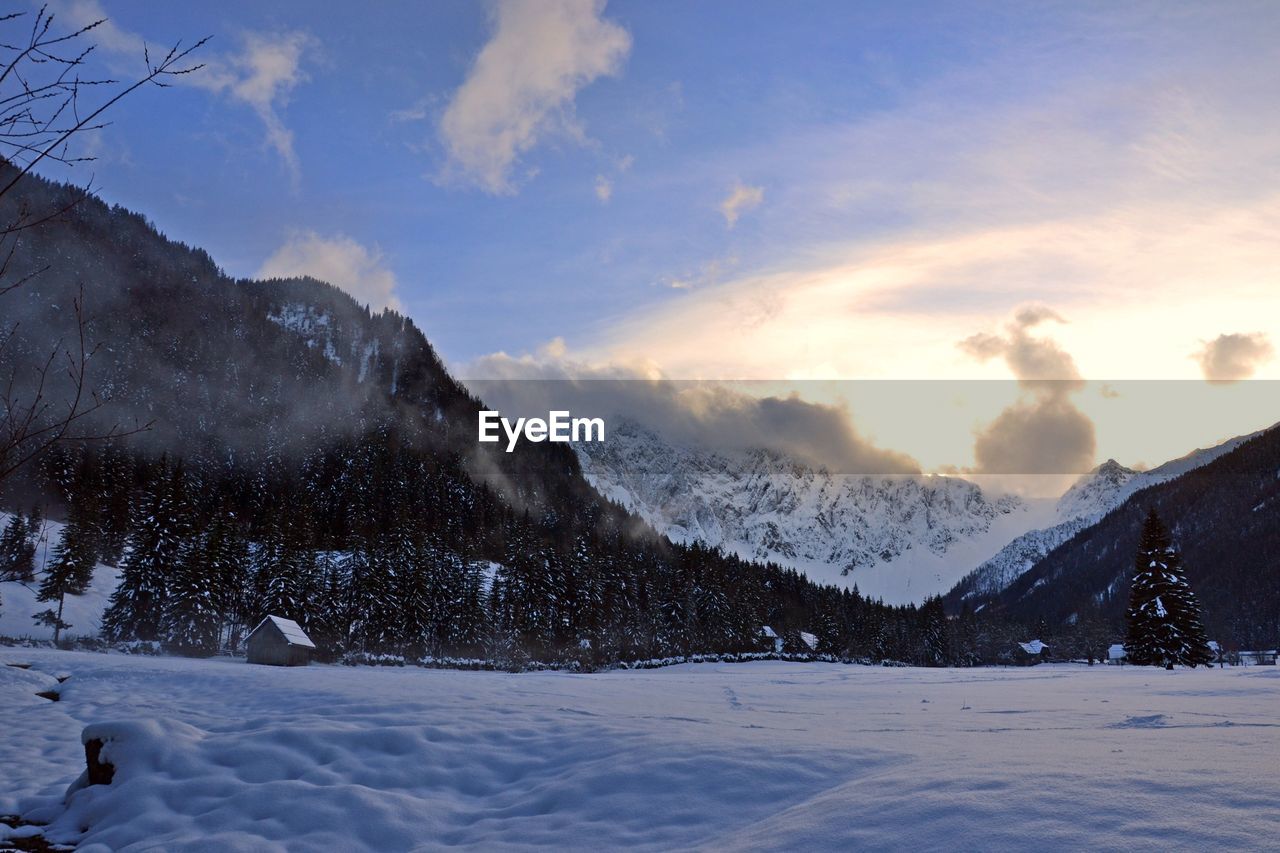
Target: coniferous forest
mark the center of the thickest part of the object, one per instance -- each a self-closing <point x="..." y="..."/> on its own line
<point x="289" y="452"/>
<point x="276" y="447"/>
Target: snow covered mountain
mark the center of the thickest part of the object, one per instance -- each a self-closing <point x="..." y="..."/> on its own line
<point x="1084" y="504"/>
<point x="896" y="537"/>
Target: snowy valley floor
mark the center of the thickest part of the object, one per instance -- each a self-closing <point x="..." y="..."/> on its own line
<point x="221" y="755"/>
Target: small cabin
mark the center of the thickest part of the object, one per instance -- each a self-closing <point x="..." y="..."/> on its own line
<point x="1029" y="654"/>
<point x="1258" y="658"/>
<point x="279" y="642"/>
<point x="1116" y="654"/>
<point x="771" y="636"/>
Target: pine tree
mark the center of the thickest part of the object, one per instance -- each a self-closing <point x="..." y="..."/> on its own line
<point x="191" y="625"/>
<point x="369" y="602"/>
<point x="935" y="648"/>
<point x="285" y="570"/>
<point x="78" y="548"/>
<point x="331" y="623"/>
<point x="17" y="551"/>
<point x="1163" y="614"/>
<point x="226" y="569"/>
<point x="470" y="623"/>
<point x="136" y="608"/>
<point x="417" y="588"/>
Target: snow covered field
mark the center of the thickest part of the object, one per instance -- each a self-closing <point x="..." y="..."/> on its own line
<point x="221" y="755"/>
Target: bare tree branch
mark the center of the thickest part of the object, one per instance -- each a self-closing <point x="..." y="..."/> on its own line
<point x="43" y="90"/>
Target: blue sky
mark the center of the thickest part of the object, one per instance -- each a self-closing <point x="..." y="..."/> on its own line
<point x="736" y="189"/>
<point x="705" y="97"/>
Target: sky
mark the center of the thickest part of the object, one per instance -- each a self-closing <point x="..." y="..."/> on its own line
<point x="743" y="190"/>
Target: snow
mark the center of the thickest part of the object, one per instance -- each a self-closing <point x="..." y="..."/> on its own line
<point x="1082" y="505"/>
<point x="1034" y="647"/>
<point x="219" y="755"/>
<point x="18" y="603"/>
<point x="897" y="538"/>
<point x="292" y="631"/>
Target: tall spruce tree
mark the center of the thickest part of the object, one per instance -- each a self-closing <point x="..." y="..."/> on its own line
<point x="17" y="550"/>
<point x="136" y="608"/>
<point x="78" y="549"/>
<point x="1163" y="614"/>
<point x="68" y="573"/>
<point x="190" y="625"/>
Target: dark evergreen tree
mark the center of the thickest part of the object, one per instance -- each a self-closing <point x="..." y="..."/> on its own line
<point x="422" y="614"/>
<point x="370" y="602"/>
<point x="1163" y="615"/>
<point x="77" y="549"/>
<point x="191" y="623"/>
<point x="330" y="627"/>
<point x="68" y="573"/>
<point x="17" y="550"/>
<point x="137" y="607"/>
<point x="469" y="625"/>
<point x="225" y="565"/>
<point x="935" y="646"/>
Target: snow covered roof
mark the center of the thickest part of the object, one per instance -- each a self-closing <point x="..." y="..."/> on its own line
<point x="809" y="640"/>
<point x="769" y="633"/>
<point x="1116" y="651"/>
<point x="1034" y="647"/>
<point x="292" y="631"/>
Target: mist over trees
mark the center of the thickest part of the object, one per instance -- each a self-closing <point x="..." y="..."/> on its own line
<point x="312" y="459"/>
<point x="309" y="458"/>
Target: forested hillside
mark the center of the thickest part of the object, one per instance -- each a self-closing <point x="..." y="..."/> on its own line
<point x="1225" y="521"/>
<point x="308" y="458"/>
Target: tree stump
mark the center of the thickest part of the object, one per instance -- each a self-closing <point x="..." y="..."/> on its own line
<point x="100" y="772"/>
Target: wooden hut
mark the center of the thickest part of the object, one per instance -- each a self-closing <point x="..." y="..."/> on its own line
<point x="1029" y="654"/>
<point x="279" y="642"/>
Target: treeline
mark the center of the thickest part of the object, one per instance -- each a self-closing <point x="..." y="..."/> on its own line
<point x="313" y="459"/>
<point x="1225" y="520"/>
<point x="378" y="550"/>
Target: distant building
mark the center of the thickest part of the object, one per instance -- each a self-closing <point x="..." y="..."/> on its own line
<point x="1116" y="654"/>
<point x="1261" y="658"/>
<point x="1029" y="654"/>
<point x="771" y="635"/>
<point x="810" y="640"/>
<point x="279" y="642"/>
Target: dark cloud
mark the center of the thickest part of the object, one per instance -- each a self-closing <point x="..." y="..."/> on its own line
<point x="1037" y="436"/>
<point x="1230" y="358"/>
<point x="711" y="415"/>
<point x="1044" y="432"/>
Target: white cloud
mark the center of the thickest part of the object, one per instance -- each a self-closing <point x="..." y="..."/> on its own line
<point x="523" y="84"/>
<point x="339" y="260"/>
<point x="261" y="75"/>
<point x="1229" y="358"/>
<point x="82" y="13"/>
<point x="740" y="199"/>
<point x="705" y="275"/>
<point x="604" y="188"/>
